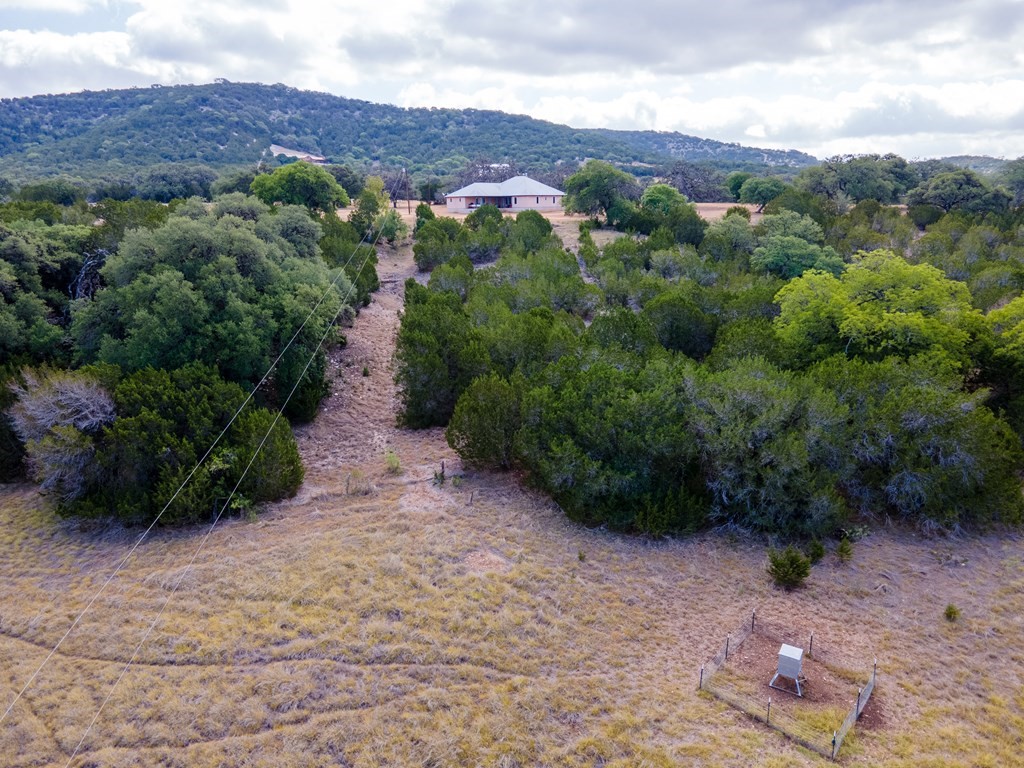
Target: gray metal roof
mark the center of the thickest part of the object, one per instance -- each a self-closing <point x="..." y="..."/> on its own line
<point x="517" y="185"/>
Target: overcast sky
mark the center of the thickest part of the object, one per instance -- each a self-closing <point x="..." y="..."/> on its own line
<point x="923" y="78"/>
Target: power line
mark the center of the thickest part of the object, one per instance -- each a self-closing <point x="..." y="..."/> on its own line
<point x="177" y="492"/>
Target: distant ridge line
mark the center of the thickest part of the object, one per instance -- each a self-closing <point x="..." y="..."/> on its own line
<point x="224" y="124"/>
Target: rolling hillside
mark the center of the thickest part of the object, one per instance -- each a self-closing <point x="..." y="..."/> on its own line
<point x="115" y="131"/>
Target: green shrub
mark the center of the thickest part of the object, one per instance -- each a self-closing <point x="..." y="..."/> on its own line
<point x="788" y="568"/>
<point x="392" y="463"/>
<point x="844" y="551"/>
<point x="923" y="214"/>
<point x="673" y="512"/>
<point x="485" y="421"/>
<point x="132" y="449"/>
<point x="424" y="213"/>
<point x="952" y="613"/>
<point x="815" y="551"/>
<point x="276" y="471"/>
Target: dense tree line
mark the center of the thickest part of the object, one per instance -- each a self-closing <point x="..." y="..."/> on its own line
<point x="107" y="444"/>
<point x="131" y="330"/>
<point x="788" y="376"/>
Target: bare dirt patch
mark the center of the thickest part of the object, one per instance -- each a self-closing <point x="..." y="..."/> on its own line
<point x="484" y="560"/>
<point x="357" y="422"/>
<point x="716" y="211"/>
<point x="755" y="662"/>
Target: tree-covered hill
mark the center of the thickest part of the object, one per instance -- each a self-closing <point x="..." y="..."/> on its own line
<point x="694" y="149"/>
<point x="987" y="166"/>
<point x="107" y="132"/>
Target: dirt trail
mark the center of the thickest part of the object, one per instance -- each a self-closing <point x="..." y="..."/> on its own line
<point x="357" y="421"/>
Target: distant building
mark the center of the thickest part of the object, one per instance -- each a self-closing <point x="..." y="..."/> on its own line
<point x="520" y="193"/>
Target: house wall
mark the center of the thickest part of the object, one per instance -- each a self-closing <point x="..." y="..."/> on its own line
<point x="465" y="205"/>
<point x="519" y="203"/>
<point x="536" y="203"/>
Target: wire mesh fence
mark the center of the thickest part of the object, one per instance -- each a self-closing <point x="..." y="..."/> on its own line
<point x="714" y="679"/>
<point x="863" y="695"/>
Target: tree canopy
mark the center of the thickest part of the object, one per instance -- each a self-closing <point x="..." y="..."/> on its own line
<point x="761" y="191"/>
<point x="111" y="445"/>
<point x="218" y="288"/>
<point x="961" y="189"/>
<point x="880" y="306"/>
<point x="301" y="184"/>
<point x="597" y="187"/>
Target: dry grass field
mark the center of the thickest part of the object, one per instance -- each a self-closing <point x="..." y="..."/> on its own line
<point x="378" y="619"/>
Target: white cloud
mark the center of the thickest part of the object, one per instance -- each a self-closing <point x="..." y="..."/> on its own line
<point x="23" y="49"/>
<point x="58" y="6"/>
<point x="862" y="75"/>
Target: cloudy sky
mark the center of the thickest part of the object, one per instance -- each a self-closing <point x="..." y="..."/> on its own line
<point x="923" y="78"/>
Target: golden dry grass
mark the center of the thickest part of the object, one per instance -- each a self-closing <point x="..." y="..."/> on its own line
<point x="423" y="625"/>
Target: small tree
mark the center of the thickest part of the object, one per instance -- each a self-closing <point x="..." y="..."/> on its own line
<point x="301" y="184"/>
<point x="597" y="187"/>
<point x="761" y="191"/>
<point x="485" y="422"/>
<point x="662" y="198"/>
<point x="788" y="568"/>
<point x="373" y="213"/>
<point x="424" y="213"/>
<point x="430" y="189"/>
<point x="844" y="551"/>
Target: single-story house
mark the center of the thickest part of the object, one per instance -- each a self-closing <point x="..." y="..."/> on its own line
<point x="520" y="193"/>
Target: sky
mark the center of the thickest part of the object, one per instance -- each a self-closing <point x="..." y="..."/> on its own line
<point x="922" y="78"/>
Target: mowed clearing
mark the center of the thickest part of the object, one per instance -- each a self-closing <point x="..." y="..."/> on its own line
<point x="379" y="619"/>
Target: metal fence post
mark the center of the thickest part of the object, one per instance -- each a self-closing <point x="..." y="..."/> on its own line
<point x="700" y="685"/>
<point x="858" y="704"/>
<point x="727" y="647"/>
<point x="768" y="719"/>
<point x="752" y="615"/>
<point x="810" y="646"/>
<point x="833" y="745"/>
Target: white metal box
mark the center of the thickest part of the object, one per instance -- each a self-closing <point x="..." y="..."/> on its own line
<point x="790" y="661"/>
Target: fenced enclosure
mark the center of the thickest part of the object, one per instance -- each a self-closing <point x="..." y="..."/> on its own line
<point x="816" y="727"/>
